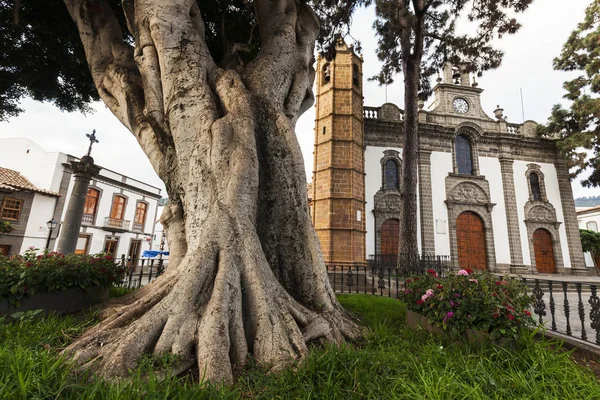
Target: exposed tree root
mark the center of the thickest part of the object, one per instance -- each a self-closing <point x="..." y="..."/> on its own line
<point x="233" y="306"/>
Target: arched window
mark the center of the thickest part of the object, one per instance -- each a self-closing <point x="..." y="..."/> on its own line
<point x="464" y="156"/>
<point x="390" y="175"/>
<point x="592" y="226"/>
<point x="91" y="206"/>
<point x="536" y="191"/>
<point x="355" y="75"/>
<point x="326" y="73"/>
<point x="117" y="210"/>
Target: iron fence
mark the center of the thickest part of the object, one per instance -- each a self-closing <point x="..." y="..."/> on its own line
<point x="141" y="271"/>
<point x="568" y="310"/>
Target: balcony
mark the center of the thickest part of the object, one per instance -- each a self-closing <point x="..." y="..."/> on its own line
<point x="138" y="227"/>
<point x="87" y="219"/>
<point x="113" y="224"/>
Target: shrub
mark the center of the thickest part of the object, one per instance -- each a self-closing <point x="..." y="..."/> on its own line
<point x="469" y="300"/>
<point x="54" y="272"/>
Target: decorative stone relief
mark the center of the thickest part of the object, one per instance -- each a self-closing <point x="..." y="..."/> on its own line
<point x="469" y="193"/>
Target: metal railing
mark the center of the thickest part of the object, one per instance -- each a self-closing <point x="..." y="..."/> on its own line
<point x="87" y="219"/>
<point x="141" y="271"/>
<point x="122" y="224"/>
<point x="138" y="227"/>
<point x="567" y="308"/>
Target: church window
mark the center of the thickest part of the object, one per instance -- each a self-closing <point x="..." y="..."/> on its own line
<point x="464" y="156"/>
<point x="592" y="226"/>
<point x="390" y="175"/>
<point x="355" y="75"/>
<point x="326" y="73"/>
<point x="535" y="181"/>
<point x="536" y="191"/>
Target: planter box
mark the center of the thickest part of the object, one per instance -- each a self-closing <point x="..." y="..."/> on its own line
<point x="65" y="302"/>
<point x="418" y="321"/>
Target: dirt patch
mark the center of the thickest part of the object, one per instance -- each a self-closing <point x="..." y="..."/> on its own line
<point x="586" y="359"/>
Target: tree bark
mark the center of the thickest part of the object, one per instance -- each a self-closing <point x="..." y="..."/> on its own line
<point x="246" y="274"/>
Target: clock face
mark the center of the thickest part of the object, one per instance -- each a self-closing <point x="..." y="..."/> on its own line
<point x="460" y="105"/>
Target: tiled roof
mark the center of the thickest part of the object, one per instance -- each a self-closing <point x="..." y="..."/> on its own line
<point x="12" y="180"/>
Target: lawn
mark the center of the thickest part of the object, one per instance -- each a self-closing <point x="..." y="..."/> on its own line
<point x="392" y="363"/>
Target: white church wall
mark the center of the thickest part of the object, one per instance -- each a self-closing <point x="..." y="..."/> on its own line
<point x="490" y="168"/>
<point x="521" y="197"/>
<point x="441" y="165"/>
<point x="553" y="195"/>
<point x="373" y="156"/>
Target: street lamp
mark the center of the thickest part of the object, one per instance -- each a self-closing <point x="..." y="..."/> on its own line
<point x="52" y="224"/>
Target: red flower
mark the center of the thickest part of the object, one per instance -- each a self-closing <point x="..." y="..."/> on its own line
<point x="496" y="315"/>
<point x="510" y="316"/>
<point x="419" y="301"/>
<point x="498" y="283"/>
<point x="440" y="286"/>
<point x="527" y="313"/>
<point x="432" y="272"/>
<point x="408" y="280"/>
<point x="494" y="294"/>
<point x="469" y="270"/>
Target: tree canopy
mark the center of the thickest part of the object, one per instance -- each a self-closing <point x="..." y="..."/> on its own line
<point x="42" y="57"/>
<point x="578" y="126"/>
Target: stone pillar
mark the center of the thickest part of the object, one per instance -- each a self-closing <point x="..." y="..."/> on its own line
<point x="83" y="170"/>
<point x="512" y="217"/>
<point x="570" y="218"/>
<point x="426" y="203"/>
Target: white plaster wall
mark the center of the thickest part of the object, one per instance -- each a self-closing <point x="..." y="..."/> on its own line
<point x="373" y="156"/>
<point x="553" y="195"/>
<point x="490" y="168"/>
<point x="441" y="165"/>
<point x="32" y="161"/>
<point x="521" y="197"/>
<point x="36" y="231"/>
<point x="582" y="220"/>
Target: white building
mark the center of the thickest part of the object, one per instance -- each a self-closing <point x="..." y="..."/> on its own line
<point x="589" y="218"/>
<point x="120" y="212"/>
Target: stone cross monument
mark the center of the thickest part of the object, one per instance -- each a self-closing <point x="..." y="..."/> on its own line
<point x="84" y="171"/>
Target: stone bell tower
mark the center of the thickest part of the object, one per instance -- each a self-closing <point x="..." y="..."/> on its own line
<point x="338" y="197"/>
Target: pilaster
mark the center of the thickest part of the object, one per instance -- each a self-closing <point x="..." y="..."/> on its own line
<point x="426" y="203"/>
<point x="512" y="218"/>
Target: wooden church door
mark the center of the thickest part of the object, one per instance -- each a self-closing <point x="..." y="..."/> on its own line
<point x="470" y="239"/>
<point x="544" y="253"/>
<point x="390" y="239"/>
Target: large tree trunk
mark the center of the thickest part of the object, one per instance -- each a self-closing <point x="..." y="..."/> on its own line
<point x="409" y="247"/>
<point x="246" y="274"/>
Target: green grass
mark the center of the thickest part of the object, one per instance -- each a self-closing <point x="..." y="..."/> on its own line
<point x="393" y="362"/>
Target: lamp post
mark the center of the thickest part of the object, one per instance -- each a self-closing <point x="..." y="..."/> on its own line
<point x="52" y="224"/>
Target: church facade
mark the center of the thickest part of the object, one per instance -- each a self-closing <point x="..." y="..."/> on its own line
<point x="492" y="194"/>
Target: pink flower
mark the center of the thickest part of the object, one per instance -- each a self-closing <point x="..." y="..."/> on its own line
<point x="428" y="294"/>
<point x="449" y="315"/>
<point x="463" y="272"/>
<point x="473" y="280"/>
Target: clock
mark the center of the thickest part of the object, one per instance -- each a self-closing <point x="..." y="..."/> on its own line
<point x="460" y="105"/>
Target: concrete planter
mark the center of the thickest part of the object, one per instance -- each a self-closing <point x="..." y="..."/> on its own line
<point x="65" y="302"/>
<point x="418" y="321"/>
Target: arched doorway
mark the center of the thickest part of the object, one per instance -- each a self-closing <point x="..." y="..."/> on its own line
<point x="390" y="237"/>
<point x="544" y="252"/>
<point x="470" y="238"/>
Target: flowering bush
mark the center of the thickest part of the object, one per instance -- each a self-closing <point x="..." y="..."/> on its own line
<point x="54" y="272"/>
<point x="469" y="300"/>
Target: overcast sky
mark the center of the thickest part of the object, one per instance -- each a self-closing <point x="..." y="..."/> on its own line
<point x="527" y="65"/>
